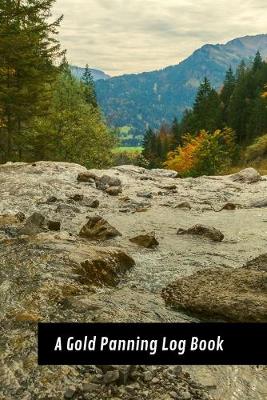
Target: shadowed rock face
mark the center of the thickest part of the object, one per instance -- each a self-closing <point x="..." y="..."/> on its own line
<point x="104" y="266"/>
<point x="239" y="295"/>
<point x="56" y="276"/>
<point x="201" y="230"/>
<point x="259" y="263"/>
<point x="97" y="228"/>
<point x="248" y="175"/>
<point x="147" y="240"/>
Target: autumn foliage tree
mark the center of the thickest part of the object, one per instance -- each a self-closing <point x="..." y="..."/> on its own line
<point x="203" y="154"/>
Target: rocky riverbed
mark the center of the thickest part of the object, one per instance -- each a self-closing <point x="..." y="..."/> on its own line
<point x="127" y="244"/>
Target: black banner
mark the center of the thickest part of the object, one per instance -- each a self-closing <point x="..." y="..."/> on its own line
<point x="152" y="344"/>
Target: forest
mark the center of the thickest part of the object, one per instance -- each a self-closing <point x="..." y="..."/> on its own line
<point x="45" y="113"/>
<point x="223" y="129"/>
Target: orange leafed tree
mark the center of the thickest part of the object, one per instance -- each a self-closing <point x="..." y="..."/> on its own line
<point x="204" y="154"/>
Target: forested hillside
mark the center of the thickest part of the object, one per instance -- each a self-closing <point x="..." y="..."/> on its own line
<point x="45" y="113"/>
<point x="223" y="128"/>
<point x="150" y="98"/>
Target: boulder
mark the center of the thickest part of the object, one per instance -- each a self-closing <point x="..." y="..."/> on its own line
<point x="106" y="181"/>
<point x="259" y="263"/>
<point x="228" y="207"/>
<point x="114" y="190"/>
<point x="202" y="230"/>
<point x="103" y="266"/>
<point x="33" y="225"/>
<point x="237" y="295"/>
<point x="86" y="177"/>
<point x="91" y="203"/>
<point x="53" y="225"/>
<point x="248" y="175"/>
<point x="146" y="240"/>
<point x="97" y="228"/>
<point x="77" y="197"/>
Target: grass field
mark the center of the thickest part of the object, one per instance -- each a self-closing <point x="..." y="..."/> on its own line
<point x="127" y="149"/>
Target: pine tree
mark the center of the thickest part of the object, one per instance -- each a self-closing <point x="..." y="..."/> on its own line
<point x="176" y="132"/>
<point x="149" y="146"/>
<point x="228" y="86"/>
<point x="226" y="94"/>
<point x="89" y="87"/>
<point x="74" y="131"/>
<point x="258" y="62"/>
<point x="28" y="49"/>
<point x="206" y="109"/>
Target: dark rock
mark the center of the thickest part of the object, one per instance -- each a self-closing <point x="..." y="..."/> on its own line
<point x="86" y="177"/>
<point x="20" y="216"/>
<point x="248" y="175"/>
<point x="104" y="266"/>
<point x="106" y="181"/>
<point x="91" y="203"/>
<point x="69" y="394"/>
<point x="33" y="225"/>
<point x="184" y="204"/>
<point x="35" y="219"/>
<point x="53" y="225"/>
<point x="146" y="178"/>
<point x="77" y="197"/>
<point x="146" y="195"/>
<point x="113" y="190"/>
<point x="97" y="228"/>
<point x="168" y="187"/>
<point x="259" y="263"/>
<point x="111" y="376"/>
<point x="51" y="199"/>
<point x="202" y="230"/>
<point x="229" y="207"/>
<point x="146" y="240"/>
<point x="125" y="371"/>
<point x="236" y="295"/>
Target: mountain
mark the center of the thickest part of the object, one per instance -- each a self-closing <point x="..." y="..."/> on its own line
<point x="97" y="74"/>
<point x="147" y="99"/>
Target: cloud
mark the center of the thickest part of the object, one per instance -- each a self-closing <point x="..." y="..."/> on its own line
<point x="122" y="36"/>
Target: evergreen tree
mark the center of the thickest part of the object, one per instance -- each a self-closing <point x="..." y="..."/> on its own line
<point x="89" y="87"/>
<point x="258" y="62"/>
<point x="73" y="131"/>
<point x="226" y="94"/>
<point x="206" y="109"/>
<point x="149" y="146"/>
<point x="176" y="133"/>
<point x="228" y="86"/>
<point x="28" y="49"/>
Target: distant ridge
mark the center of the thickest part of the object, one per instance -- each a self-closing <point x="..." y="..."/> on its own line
<point x="97" y="74"/>
<point x="147" y="99"/>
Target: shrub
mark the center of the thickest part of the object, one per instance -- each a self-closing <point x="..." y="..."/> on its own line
<point x="204" y="154"/>
<point x="258" y="150"/>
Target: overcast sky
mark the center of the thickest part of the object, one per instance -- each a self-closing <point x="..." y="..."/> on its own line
<point x="125" y="36"/>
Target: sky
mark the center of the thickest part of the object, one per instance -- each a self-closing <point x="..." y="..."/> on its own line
<point x="130" y="36"/>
